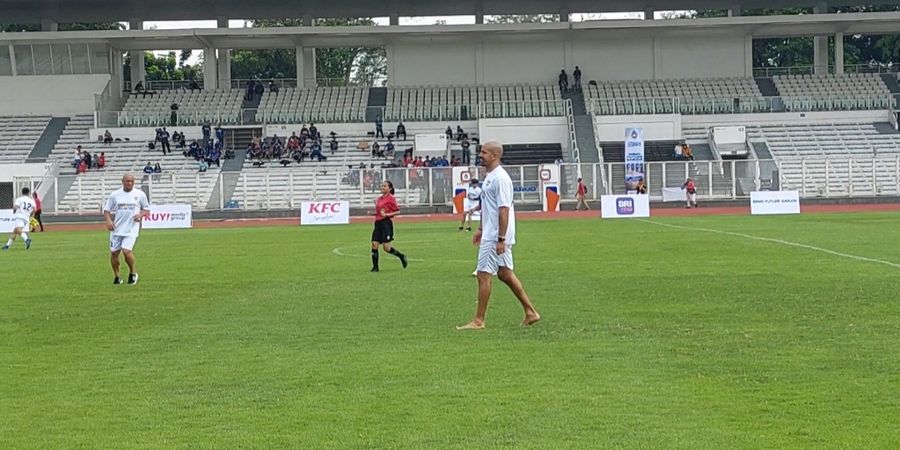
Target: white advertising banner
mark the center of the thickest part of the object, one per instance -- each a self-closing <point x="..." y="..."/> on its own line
<point x="634" y="158"/>
<point x="7" y="221"/>
<point x="549" y="175"/>
<point x="624" y="206"/>
<point x="672" y="194"/>
<point x="775" y="202"/>
<point x="324" y="213"/>
<point x="168" y="216"/>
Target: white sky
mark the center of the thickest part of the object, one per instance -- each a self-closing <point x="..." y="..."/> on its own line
<point x="424" y="20"/>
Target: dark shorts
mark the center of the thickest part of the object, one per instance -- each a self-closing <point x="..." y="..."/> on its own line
<point x="384" y="231"/>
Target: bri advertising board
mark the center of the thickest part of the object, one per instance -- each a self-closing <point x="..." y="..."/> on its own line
<point x="324" y="213"/>
<point x="624" y="206"/>
<point x="774" y="202"/>
<point x="168" y="216"/>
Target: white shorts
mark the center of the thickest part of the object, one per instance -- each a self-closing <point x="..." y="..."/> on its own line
<point x="469" y="204"/>
<point x="21" y="223"/>
<point x="117" y="243"/>
<point x="489" y="261"/>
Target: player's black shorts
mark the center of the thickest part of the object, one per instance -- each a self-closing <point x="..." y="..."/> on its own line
<point x="384" y="231"/>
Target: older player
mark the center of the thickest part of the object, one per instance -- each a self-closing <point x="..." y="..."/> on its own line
<point x="496" y="237"/>
<point x="124" y="211"/>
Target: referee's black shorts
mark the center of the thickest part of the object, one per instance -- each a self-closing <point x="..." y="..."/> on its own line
<point x="384" y="231"/>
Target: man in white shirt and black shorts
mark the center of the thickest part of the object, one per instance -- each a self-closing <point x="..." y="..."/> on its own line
<point x="496" y="237"/>
<point x="23" y="210"/>
<point x="123" y="212"/>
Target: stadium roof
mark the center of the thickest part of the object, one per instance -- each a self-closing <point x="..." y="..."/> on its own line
<point x="756" y="26"/>
<point x="33" y="11"/>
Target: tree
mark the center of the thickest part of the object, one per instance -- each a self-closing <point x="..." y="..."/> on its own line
<point x="523" y="18"/>
<point x="340" y="65"/>
<point x="76" y="26"/>
<point x="164" y="68"/>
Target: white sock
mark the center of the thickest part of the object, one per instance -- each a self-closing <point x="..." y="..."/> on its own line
<point x="25" y="235"/>
<point x="9" y="242"/>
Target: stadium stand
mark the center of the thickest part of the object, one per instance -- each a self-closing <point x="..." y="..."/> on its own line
<point x="305" y="105"/>
<point x="222" y="106"/>
<point x="710" y="96"/>
<point x="833" y="92"/>
<point x="465" y="102"/>
<point x="18" y="134"/>
<point x="838" y="140"/>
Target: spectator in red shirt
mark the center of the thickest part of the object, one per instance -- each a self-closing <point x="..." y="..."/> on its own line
<point x="580" y="194"/>
<point x="101" y="162"/>
<point x="37" y="212"/>
<point x="385" y="209"/>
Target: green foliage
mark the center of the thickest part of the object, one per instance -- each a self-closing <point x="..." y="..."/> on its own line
<point x="652" y="337"/>
<point x="522" y="18"/>
<point x="339" y="66"/>
<point x="166" y="68"/>
<point x="75" y="26"/>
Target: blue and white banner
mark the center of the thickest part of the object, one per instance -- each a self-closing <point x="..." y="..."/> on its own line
<point x="624" y="206"/>
<point x="634" y="158"/>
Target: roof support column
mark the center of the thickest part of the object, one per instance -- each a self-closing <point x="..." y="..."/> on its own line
<point x="12" y="60"/>
<point x="479" y="17"/>
<point x="210" y="69"/>
<point x="138" y="69"/>
<point x="839" y="53"/>
<point x="224" y="58"/>
<point x="394" y="20"/>
<point x="734" y="11"/>
<point x="648" y="14"/>
<point x="820" y="44"/>
<point x="49" y="25"/>
<point x="306" y="60"/>
<point x="563" y="15"/>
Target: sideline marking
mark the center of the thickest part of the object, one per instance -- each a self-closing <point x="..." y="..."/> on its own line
<point x="777" y="241"/>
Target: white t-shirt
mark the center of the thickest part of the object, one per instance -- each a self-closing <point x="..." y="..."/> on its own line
<point x="497" y="192"/>
<point x="473" y="193"/>
<point x="24" y="207"/>
<point x="124" y="206"/>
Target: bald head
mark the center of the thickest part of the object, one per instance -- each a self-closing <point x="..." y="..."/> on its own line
<point x="494" y="148"/>
<point x="128" y="182"/>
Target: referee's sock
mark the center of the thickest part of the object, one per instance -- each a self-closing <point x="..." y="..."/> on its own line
<point x="374" y="259"/>
<point x="396" y="253"/>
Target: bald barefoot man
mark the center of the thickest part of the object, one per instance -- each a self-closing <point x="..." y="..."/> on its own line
<point x="496" y="237"/>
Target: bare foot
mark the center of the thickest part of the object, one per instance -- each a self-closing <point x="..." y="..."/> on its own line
<point x="471" y="326"/>
<point x="531" y="319"/>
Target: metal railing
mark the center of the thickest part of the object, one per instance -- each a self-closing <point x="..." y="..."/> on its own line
<point x="810" y="69"/>
<point x="573" y="136"/>
<point x="274" y="187"/>
<point x="737" y="105"/>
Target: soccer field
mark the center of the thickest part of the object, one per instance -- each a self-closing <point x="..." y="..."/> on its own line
<point x="690" y="332"/>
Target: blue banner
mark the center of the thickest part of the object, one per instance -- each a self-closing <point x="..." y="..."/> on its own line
<point x="634" y="158"/>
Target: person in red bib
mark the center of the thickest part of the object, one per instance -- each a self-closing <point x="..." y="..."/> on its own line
<point x="580" y="194"/>
<point x="691" y="190"/>
<point x="383" y="234"/>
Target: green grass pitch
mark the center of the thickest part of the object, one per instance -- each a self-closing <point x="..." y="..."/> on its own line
<point x="280" y="337"/>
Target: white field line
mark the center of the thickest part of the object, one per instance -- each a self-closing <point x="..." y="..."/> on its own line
<point x="777" y="241"/>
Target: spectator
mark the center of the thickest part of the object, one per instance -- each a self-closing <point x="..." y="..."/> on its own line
<point x="194" y="86"/>
<point x="107" y="138"/>
<point x="449" y="133"/>
<point x="401" y="129"/>
<point x="379" y="123"/>
<point x="313" y="131"/>
<point x="563" y="81"/>
<point x="687" y="152"/>
<point x="576" y="76"/>
<point x="641" y="187"/>
<point x="139" y="87"/>
<point x="376" y="150"/>
<point x="76" y="160"/>
<point x="389" y="149"/>
<point x="173" y="116"/>
<point x="248" y="96"/>
<point x="466" y="151"/>
<point x="148" y="169"/>
<point x="317" y="152"/>
<point x="163" y="137"/>
<point x="37" y="212"/>
<point x="259" y="89"/>
<point x="87" y="160"/>
<point x="206" y="129"/>
<point x="334" y="145"/>
<point x="220" y="135"/>
<point x="157" y="168"/>
<point x="273" y="88"/>
<point x="460" y="134"/>
<point x="678" y="151"/>
<point x="101" y="161"/>
<point x="81" y="168"/>
<point x="202" y="166"/>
